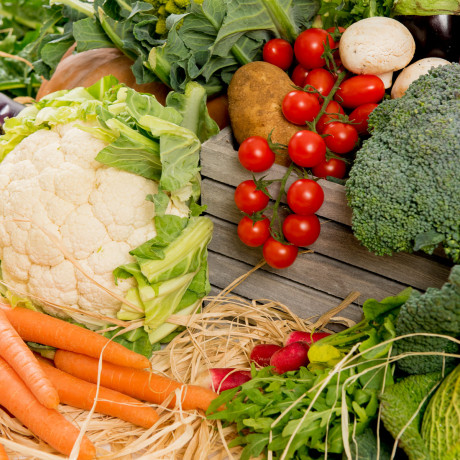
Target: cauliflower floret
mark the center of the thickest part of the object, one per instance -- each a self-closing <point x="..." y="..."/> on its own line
<point x="55" y="196"/>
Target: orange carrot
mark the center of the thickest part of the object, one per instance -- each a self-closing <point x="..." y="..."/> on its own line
<point x="16" y="353"/>
<point x="48" y="424"/>
<point x="79" y="393"/>
<point x="3" y="455"/>
<point x="133" y="382"/>
<point x="37" y="327"/>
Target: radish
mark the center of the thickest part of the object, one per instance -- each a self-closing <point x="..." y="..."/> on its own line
<point x="222" y="378"/>
<point x="262" y="353"/>
<point x="308" y="337"/>
<point x="290" y="358"/>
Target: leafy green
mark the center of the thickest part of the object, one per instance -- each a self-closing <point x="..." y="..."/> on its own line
<point x="404" y="401"/>
<point x="218" y="36"/>
<point x="441" y="425"/>
<point x="291" y="413"/>
<point x="171" y="272"/>
<point x="364" y="447"/>
<point x="136" y="340"/>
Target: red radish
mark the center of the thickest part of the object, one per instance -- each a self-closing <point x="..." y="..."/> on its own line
<point x="307" y="337"/>
<point x="262" y="353"/>
<point x="222" y="378"/>
<point x="290" y="358"/>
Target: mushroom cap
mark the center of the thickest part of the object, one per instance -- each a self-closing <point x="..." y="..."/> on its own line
<point x="412" y="72"/>
<point x="376" y="45"/>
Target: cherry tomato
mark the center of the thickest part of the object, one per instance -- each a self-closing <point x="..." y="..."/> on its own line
<point x="359" y="90"/>
<point x="301" y="230"/>
<point x="305" y="196"/>
<point x="333" y="167"/>
<point x="341" y="138"/>
<point x="309" y="46"/>
<point x="279" y="255"/>
<point x="300" y="106"/>
<point x="278" y="52"/>
<point x="298" y="75"/>
<point x="248" y="199"/>
<point x="307" y="149"/>
<point x="360" y="117"/>
<point x="321" y="80"/>
<point x="255" y="154"/>
<point x="332" y="108"/>
<point x="253" y="234"/>
<point x="333" y="29"/>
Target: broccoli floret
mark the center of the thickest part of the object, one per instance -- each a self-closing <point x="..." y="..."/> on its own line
<point x="437" y="311"/>
<point x="404" y="186"/>
<point x="163" y="8"/>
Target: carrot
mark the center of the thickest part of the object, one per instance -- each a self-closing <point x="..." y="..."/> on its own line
<point x="37" y="327"/>
<point x="48" y="424"/>
<point x="16" y="353"/>
<point x="133" y="382"/>
<point x="3" y="455"/>
<point x="79" y="393"/>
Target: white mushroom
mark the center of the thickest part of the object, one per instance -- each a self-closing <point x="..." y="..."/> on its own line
<point x="376" y="46"/>
<point x="412" y="72"/>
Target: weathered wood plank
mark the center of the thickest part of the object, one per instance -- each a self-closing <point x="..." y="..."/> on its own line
<point x="303" y="301"/>
<point x="220" y="162"/>
<point x="337" y="241"/>
<point x="310" y="270"/>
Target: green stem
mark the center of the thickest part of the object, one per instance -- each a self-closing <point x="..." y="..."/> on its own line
<point x="275" y="217"/>
<point x="328" y="99"/>
<point x="84" y="8"/>
<point x="24" y="22"/>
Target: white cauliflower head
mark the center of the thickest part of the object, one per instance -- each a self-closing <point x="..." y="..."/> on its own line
<point x="50" y="184"/>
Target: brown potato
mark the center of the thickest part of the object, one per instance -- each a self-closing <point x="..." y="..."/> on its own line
<point x="255" y="94"/>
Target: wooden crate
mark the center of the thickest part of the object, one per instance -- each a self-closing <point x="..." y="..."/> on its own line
<point x="315" y="282"/>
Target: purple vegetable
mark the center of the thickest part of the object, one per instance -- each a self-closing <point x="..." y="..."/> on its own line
<point x="8" y="108"/>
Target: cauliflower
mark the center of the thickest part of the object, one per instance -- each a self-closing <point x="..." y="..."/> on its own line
<point x="97" y="213"/>
<point x="100" y="181"/>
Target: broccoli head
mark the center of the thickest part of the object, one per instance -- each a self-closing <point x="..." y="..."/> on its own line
<point x="404" y="185"/>
<point x="437" y="311"/>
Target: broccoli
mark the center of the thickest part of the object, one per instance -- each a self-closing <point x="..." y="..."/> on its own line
<point x="404" y="186"/>
<point x="436" y="311"/>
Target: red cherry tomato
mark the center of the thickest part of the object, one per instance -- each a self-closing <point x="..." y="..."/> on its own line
<point x="333" y="167"/>
<point x="331" y="30"/>
<point x="253" y="234"/>
<point x="307" y="149"/>
<point x="301" y="230"/>
<point x="359" y="90"/>
<point x="332" y="108"/>
<point x="248" y="199"/>
<point x="279" y="255"/>
<point x="309" y="46"/>
<point x="360" y="117"/>
<point x="299" y="107"/>
<point x="321" y="80"/>
<point x="255" y="154"/>
<point x="305" y="196"/>
<point x="298" y="75"/>
<point x="341" y="138"/>
<point x="278" y="52"/>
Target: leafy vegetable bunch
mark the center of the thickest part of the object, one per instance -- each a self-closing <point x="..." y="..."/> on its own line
<point x="124" y="194"/>
<point x="24" y="24"/>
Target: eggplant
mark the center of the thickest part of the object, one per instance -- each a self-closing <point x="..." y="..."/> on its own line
<point x="435" y="36"/>
<point x="8" y="108"/>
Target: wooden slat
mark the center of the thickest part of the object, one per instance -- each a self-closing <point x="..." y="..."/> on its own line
<point x="310" y="270"/>
<point x="220" y="162"/>
<point x="303" y="301"/>
<point x="337" y="241"/>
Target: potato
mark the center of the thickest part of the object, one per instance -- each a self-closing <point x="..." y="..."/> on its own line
<point x="255" y="94"/>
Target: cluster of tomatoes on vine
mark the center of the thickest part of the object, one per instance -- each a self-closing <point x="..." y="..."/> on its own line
<point x="322" y="90"/>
